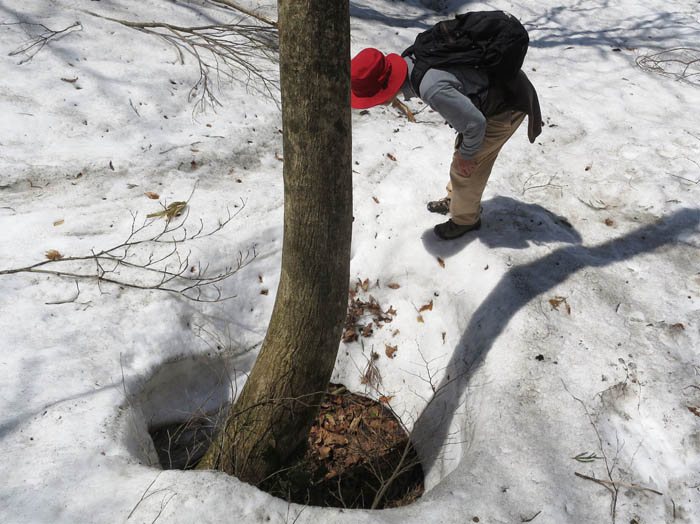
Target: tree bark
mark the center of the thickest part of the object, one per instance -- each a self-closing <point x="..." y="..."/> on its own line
<point x="274" y="412"/>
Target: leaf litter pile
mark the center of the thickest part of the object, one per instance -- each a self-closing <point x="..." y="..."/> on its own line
<point x="364" y="316"/>
<point x="358" y="455"/>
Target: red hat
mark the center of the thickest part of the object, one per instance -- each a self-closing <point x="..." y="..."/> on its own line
<point x="375" y="78"/>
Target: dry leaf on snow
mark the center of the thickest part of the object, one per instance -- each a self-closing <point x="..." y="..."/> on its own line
<point x="152" y="196"/>
<point x="52" y="254"/>
<point x="441" y="261"/>
<point x="427" y="307"/>
<point x="391" y="350"/>
<point x="394" y="286"/>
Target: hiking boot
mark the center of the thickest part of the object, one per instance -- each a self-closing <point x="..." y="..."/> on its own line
<point x="449" y="230"/>
<point x="441" y="206"/>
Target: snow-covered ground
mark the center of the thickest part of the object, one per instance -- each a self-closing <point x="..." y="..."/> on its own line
<point x="569" y="325"/>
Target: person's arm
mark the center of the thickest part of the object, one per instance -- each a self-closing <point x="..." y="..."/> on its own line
<point x="460" y="113"/>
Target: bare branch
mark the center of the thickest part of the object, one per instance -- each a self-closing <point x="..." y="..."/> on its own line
<point x="37" y="42"/>
<point x="230" y="51"/>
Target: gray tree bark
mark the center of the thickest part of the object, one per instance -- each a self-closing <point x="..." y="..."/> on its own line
<point x="274" y="412"/>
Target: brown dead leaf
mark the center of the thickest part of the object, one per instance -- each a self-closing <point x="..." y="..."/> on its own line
<point x="384" y="399"/>
<point x="324" y="452"/>
<point x="441" y="262"/>
<point x="365" y="285"/>
<point x="394" y="286"/>
<point x="391" y="350"/>
<point x="375" y="199"/>
<point x="152" y="196"/>
<point x="391" y="157"/>
<point x="427" y="307"/>
<point x="558" y="301"/>
<point x="264" y="291"/>
<point x="420" y="318"/>
<point x="59" y="222"/>
<point x="609" y="222"/>
<point x="396" y="332"/>
<point x="277" y="157"/>
<point x="391" y="311"/>
<point x="367" y="331"/>
<point x="52" y="254"/>
<point x="694" y="411"/>
<point x="678" y="326"/>
<point x="444" y="334"/>
<point x="350" y="335"/>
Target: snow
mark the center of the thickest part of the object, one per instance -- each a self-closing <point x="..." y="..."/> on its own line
<point x="521" y="386"/>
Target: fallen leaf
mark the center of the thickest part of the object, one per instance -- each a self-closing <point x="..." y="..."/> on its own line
<point x="260" y="278"/>
<point x="70" y="80"/>
<point x="678" y="326"/>
<point x="152" y="196"/>
<point x="194" y="164"/>
<point x="391" y="311"/>
<point x="391" y="157"/>
<point x="239" y="181"/>
<point x="277" y="157"/>
<point x="694" y="411"/>
<point x="324" y="452"/>
<point x="441" y="261"/>
<point x="427" y="307"/>
<point x="59" y="222"/>
<point x="367" y="331"/>
<point x="391" y="350"/>
<point x="375" y="199"/>
<point x="486" y="267"/>
<point x="394" y="286"/>
<point x="195" y="150"/>
<point x="396" y="332"/>
<point x="558" y="301"/>
<point x="443" y="336"/>
<point x="420" y="318"/>
<point x="365" y="285"/>
<point x="609" y="222"/>
<point x="52" y="254"/>
<point x="588" y="167"/>
<point x="264" y="291"/>
<point x="384" y="399"/>
<point x="173" y="210"/>
<point x="79" y="175"/>
<point x="350" y="335"/>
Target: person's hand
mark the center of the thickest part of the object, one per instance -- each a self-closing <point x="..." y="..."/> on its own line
<point x="465" y="166"/>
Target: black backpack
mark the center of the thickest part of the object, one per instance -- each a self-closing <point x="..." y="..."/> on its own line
<point x="493" y="41"/>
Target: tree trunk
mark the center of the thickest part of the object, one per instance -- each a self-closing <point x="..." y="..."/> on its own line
<point x="274" y="412"/>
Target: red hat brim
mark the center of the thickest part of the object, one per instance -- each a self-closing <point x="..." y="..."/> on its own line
<point x="396" y="80"/>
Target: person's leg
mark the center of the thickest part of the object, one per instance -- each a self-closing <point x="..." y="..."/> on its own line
<point x="465" y="194"/>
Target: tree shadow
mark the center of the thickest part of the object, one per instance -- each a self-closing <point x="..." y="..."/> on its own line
<point x="364" y="12"/>
<point x="511" y="224"/>
<point x="519" y="286"/>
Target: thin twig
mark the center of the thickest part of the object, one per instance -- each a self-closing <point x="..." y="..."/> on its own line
<point x="248" y="12"/>
<point x="617" y="483"/>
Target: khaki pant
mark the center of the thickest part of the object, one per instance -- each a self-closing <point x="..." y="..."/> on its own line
<point x="465" y="192"/>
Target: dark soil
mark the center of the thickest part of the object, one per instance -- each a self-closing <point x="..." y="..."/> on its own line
<point x="358" y="456"/>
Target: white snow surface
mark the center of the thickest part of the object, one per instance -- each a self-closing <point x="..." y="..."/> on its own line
<point x="500" y="388"/>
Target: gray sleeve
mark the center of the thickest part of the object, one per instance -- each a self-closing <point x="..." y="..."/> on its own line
<point x="461" y="114"/>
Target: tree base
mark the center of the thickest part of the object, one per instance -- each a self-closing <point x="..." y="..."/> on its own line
<point x="358" y="456"/>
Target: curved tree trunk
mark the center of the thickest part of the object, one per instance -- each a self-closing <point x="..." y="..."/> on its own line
<point x="272" y="417"/>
